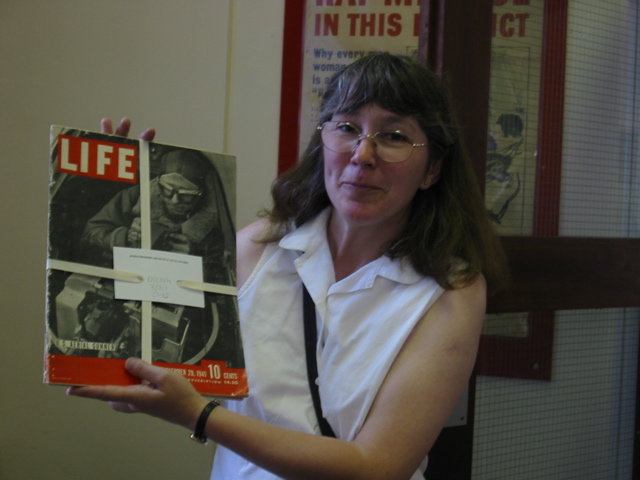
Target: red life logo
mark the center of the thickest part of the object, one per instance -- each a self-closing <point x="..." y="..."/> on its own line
<point x="97" y="159"/>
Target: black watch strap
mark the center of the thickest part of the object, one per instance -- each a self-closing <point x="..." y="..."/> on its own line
<point x="198" y="435"/>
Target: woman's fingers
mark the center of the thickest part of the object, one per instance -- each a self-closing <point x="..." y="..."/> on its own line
<point x="145" y="371"/>
<point x="107" y="393"/>
<point x="106" y="126"/>
<point x="123" y="128"/>
<point x="162" y="393"/>
<point x="148" y="135"/>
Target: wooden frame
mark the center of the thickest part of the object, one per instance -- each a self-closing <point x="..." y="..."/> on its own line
<point x="291" y="84"/>
<point x="531" y="357"/>
<point x="451" y="55"/>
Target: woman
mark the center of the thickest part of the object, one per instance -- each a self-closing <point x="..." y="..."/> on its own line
<point x="384" y="225"/>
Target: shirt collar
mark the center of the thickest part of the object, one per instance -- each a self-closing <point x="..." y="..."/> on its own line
<point x="312" y="237"/>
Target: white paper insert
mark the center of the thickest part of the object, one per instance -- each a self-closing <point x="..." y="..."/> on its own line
<point x="161" y="272"/>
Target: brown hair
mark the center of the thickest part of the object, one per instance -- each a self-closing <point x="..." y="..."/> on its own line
<point x="447" y="221"/>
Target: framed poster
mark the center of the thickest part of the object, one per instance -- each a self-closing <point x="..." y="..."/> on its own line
<point x="524" y="159"/>
<point x="514" y="97"/>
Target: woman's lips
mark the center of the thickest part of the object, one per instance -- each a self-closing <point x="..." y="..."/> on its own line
<point x="360" y="185"/>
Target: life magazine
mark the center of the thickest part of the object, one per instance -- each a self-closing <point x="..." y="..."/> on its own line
<point x="141" y="263"/>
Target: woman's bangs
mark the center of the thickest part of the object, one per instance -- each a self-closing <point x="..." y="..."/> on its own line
<point x="372" y="88"/>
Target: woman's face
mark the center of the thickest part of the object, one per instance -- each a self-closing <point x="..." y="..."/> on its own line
<point x="364" y="189"/>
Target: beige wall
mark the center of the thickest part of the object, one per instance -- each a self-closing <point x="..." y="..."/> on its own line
<point x="205" y="73"/>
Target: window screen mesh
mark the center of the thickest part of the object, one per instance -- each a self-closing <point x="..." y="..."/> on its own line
<point x="580" y="424"/>
<point x="577" y="426"/>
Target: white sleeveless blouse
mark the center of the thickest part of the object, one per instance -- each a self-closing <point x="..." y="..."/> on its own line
<point x="363" y="321"/>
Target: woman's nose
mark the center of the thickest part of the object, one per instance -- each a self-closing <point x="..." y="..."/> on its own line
<point x="365" y="151"/>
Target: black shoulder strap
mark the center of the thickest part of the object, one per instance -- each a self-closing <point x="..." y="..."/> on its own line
<point x="310" y="344"/>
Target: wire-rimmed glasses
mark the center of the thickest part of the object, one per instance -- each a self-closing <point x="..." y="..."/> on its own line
<point x="392" y="146"/>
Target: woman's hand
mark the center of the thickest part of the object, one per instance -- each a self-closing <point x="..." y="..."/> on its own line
<point x="123" y="129"/>
<point x="163" y="394"/>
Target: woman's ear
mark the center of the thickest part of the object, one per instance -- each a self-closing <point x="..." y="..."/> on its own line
<point x="433" y="174"/>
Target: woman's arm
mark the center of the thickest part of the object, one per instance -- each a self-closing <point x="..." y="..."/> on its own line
<point x="408" y="413"/>
<point x="248" y="250"/>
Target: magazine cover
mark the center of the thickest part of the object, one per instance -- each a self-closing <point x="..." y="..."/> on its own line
<point x="141" y="263"/>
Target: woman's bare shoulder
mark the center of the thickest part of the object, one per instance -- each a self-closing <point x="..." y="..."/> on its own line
<point x="250" y="248"/>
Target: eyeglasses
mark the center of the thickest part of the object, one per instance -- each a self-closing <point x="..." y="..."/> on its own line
<point x="183" y="195"/>
<point x="343" y="137"/>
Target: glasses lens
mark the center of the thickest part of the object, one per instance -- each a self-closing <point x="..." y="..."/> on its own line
<point x="339" y="137"/>
<point x="393" y="147"/>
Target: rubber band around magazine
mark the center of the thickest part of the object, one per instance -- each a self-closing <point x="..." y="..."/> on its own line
<point x="133" y="277"/>
<point x="93" y="271"/>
